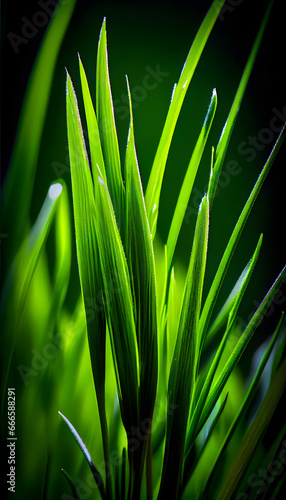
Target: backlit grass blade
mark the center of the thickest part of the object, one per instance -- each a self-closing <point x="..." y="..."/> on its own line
<point x="20" y="180"/>
<point x="118" y="304"/>
<point x="95" y="472"/>
<point x="140" y="257"/>
<point x="87" y="253"/>
<point x="240" y="348"/>
<point x="183" y="370"/>
<point x="156" y="176"/>
<point x="107" y="129"/>
<point x="229" y="125"/>
<point x="71" y="485"/>
<point x="244" y="407"/>
<point x="92" y="126"/>
<point x="228" y="253"/>
<point x="189" y="179"/>
<point x="195" y="418"/>
<point x="254" y="434"/>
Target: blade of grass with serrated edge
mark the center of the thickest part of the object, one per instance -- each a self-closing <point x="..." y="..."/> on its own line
<point x="95" y="472"/>
<point x="229" y="251"/>
<point x="96" y="155"/>
<point x="27" y="144"/>
<point x="239" y="349"/>
<point x="140" y="257"/>
<point x="183" y="370"/>
<point x="254" y="434"/>
<point x="189" y="179"/>
<point x="245" y="404"/>
<point x="195" y="418"/>
<point x="87" y="256"/>
<point x="230" y="122"/>
<point x="107" y="129"/>
<point x="119" y="305"/>
<point x="156" y="176"/>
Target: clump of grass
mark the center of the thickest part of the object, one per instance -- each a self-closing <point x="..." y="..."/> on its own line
<point x="115" y="224"/>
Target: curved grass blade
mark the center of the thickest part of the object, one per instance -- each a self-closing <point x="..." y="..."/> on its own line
<point x="230" y="122"/>
<point x="95" y="472"/>
<point x="255" y="433"/>
<point x="203" y="397"/>
<point x="107" y="128"/>
<point x="20" y="180"/>
<point x="88" y="257"/>
<point x="92" y="126"/>
<point x="229" y="251"/>
<point x="189" y="179"/>
<point x="183" y="370"/>
<point x="156" y="176"/>
<point x="243" y="409"/>
<point x="239" y="349"/>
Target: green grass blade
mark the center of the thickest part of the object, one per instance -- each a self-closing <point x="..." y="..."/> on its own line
<point x="189" y="179"/>
<point x="244" y="407"/>
<point x="240" y="348"/>
<point x="255" y="433"/>
<point x="107" y="129"/>
<point x="96" y="155"/>
<point x="183" y="370"/>
<point x="229" y="125"/>
<point x="87" y="254"/>
<point x="27" y="144"/>
<point x="141" y="258"/>
<point x="158" y="168"/>
<point x="118" y="303"/>
<point x="229" y="251"/>
<point x="95" y="472"/>
<point x="203" y="397"/>
<point x="71" y="485"/>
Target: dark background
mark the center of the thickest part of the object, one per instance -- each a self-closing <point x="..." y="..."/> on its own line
<point x="144" y="34"/>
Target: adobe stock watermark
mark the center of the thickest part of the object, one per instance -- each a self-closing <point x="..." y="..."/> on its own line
<point x="262" y="477"/>
<point x="40" y="359"/>
<point x="31" y="26"/>
<point x="229" y="6"/>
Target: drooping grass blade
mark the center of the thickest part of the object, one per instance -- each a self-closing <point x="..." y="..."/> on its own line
<point x="184" y="365"/>
<point x="95" y="472"/>
<point x="156" y="176"/>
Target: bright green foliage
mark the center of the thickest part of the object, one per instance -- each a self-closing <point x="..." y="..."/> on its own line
<point x="163" y="368"/>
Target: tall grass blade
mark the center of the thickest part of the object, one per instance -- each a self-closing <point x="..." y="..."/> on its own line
<point x="156" y="176"/>
<point x="87" y="254"/>
<point x="28" y="139"/>
<point x="229" y="251"/>
<point x="92" y="126"/>
<point x="189" y="179"/>
<point x="183" y="370"/>
<point x="107" y="129"/>
<point x="230" y="122"/>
